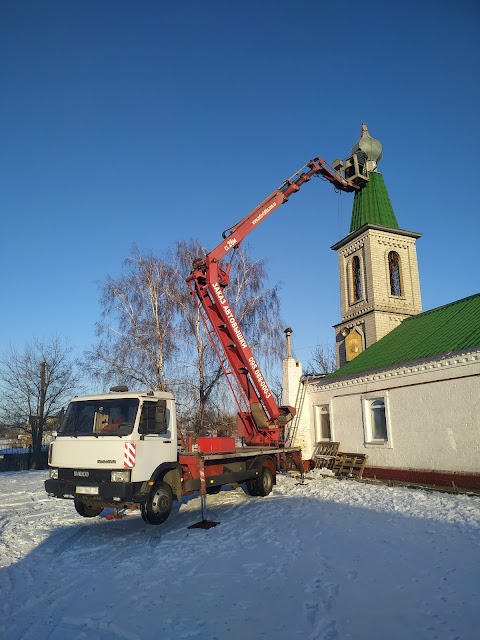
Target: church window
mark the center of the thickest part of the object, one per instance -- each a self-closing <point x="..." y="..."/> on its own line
<point x="356" y="279"/>
<point x="322" y="416"/>
<point x="376" y="421"/>
<point x="394" y="271"/>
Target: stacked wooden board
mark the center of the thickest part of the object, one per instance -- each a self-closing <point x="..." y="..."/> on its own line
<point x="343" y="465"/>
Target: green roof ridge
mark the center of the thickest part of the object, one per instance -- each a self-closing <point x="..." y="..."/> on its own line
<point x="372" y="205"/>
<point x="450" y="328"/>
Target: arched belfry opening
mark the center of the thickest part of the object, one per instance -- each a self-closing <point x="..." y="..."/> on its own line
<point x="356" y="276"/>
<point x="395" y="273"/>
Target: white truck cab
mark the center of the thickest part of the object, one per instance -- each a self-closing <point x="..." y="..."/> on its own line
<point x="109" y="446"/>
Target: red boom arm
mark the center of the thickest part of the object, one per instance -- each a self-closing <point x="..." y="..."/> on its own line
<point x="260" y="418"/>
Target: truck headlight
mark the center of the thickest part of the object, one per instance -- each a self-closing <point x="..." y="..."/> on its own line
<point x="121" y="476"/>
<point x="54" y="474"/>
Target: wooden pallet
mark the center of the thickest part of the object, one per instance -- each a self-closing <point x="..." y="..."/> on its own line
<point x="349" y="465"/>
<point x="325" y="454"/>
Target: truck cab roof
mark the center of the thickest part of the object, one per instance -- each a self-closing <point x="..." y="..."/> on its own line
<point x="166" y="395"/>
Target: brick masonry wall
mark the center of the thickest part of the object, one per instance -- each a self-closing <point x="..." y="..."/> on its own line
<point x="378" y="310"/>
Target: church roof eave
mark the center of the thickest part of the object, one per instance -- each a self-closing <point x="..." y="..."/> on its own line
<point x="418" y="363"/>
<point x="377" y="227"/>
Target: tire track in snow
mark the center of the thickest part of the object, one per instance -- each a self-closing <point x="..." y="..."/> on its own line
<point x="3" y="523"/>
<point x="27" y="501"/>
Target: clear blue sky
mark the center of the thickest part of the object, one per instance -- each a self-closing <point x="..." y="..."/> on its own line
<point x="149" y="122"/>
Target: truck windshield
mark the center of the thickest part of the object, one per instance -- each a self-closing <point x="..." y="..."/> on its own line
<point x="100" y="417"/>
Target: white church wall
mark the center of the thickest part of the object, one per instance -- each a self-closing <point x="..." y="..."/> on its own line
<point x="292" y="375"/>
<point x="305" y="432"/>
<point x="432" y="413"/>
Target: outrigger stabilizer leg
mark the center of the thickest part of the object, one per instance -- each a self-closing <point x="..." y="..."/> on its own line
<point x="204" y="523"/>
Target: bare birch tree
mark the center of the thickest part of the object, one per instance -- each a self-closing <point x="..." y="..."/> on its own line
<point x="36" y="383"/>
<point x="135" y="334"/>
<point x="199" y="370"/>
<point x="151" y="332"/>
<point x="324" y="359"/>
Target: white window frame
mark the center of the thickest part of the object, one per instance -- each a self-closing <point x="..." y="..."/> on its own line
<point x="367" y="402"/>
<point x="318" y="421"/>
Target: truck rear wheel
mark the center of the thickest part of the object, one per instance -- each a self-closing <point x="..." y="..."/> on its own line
<point x="158" y="505"/>
<point x="87" y="510"/>
<point x="262" y="485"/>
<point x="252" y="487"/>
<point x="265" y="482"/>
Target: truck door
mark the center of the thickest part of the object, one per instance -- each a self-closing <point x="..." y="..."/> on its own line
<point x="157" y="441"/>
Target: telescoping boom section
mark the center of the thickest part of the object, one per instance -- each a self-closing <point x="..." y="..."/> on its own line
<point x="260" y="420"/>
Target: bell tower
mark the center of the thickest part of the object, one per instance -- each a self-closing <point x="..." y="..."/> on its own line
<point x="379" y="281"/>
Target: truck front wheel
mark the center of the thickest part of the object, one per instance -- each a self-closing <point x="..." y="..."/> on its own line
<point x="158" y="505"/>
<point x="87" y="510"/>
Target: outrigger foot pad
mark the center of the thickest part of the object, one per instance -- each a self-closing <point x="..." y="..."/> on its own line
<point x="118" y="514"/>
<point x="203" y="524"/>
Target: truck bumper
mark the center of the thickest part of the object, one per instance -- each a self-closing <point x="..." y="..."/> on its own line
<point x="107" y="491"/>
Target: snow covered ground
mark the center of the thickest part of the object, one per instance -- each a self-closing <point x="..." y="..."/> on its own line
<point x="332" y="560"/>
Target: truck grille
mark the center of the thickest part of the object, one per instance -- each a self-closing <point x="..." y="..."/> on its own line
<point x="84" y="475"/>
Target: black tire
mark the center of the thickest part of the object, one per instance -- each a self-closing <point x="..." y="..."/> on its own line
<point x="265" y="482"/>
<point x="252" y="487"/>
<point x="158" y="506"/>
<point x="262" y="485"/>
<point x="87" y="510"/>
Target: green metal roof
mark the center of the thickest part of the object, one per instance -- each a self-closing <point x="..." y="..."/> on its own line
<point x="448" y="329"/>
<point x="372" y="205"/>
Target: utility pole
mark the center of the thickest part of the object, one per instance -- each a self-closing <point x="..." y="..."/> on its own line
<point x="37" y="431"/>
